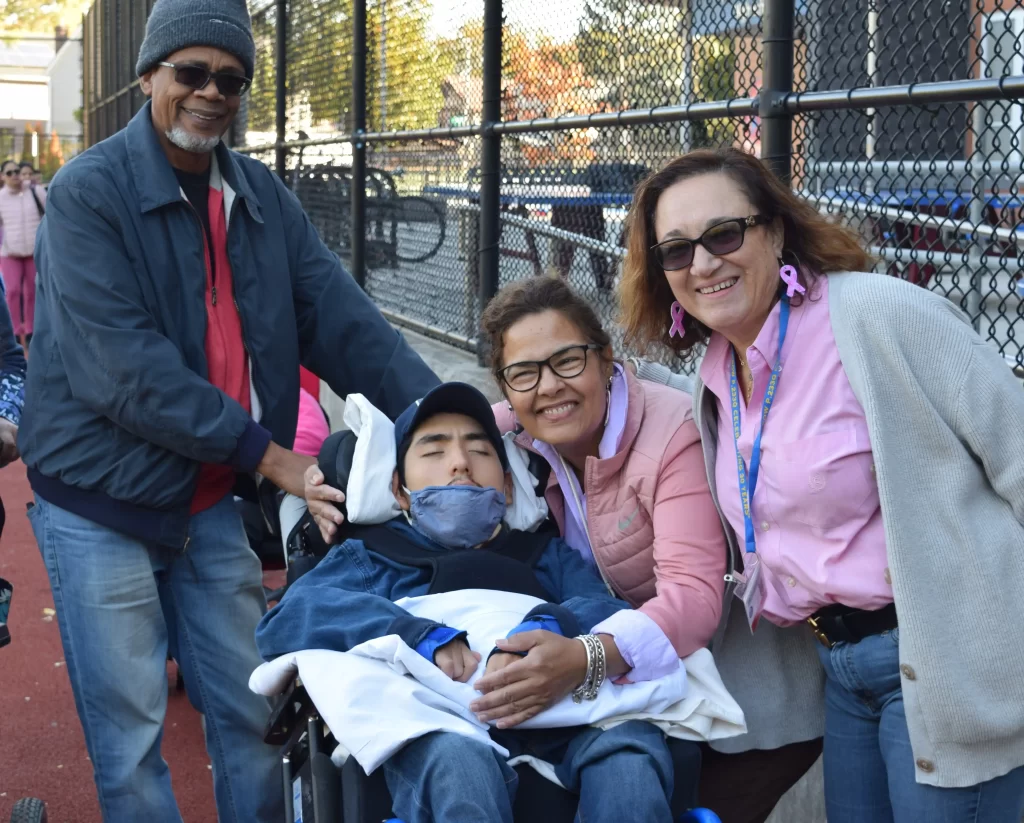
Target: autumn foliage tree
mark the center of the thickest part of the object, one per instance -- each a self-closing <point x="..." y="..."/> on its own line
<point x="38" y="17"/>
<point x="548" y="79"/>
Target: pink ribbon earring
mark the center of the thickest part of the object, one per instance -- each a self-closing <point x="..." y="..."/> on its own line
<point x="677" y="315"/>
<point x="789" y="276"/>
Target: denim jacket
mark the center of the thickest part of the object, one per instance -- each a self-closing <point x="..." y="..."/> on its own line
<point x="347" y="600"/>
<point x="120" y="413"/>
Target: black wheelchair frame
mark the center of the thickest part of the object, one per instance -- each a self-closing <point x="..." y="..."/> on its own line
<point x="315" y="791"/>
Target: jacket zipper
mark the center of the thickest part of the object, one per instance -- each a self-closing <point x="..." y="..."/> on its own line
<point x="586" y="525"/>
<point x="234" y="299"/>
<point x="245" y="345"/>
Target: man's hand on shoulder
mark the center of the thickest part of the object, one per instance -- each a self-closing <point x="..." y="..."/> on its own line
<point x="8" y="442"/>
<point x="285" y="469"/>
<point x="320" y="500"/>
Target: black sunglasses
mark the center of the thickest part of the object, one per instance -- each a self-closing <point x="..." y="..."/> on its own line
<point x="11" y="172"/>
<point x="199" y="77"/>
<point x="721" y="238"/>
<point x="565" y="363"/>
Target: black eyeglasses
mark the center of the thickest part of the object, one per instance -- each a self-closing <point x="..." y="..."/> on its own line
<point x="721" y="238"/>
<point x="11" y="172"/>
<point x="567" y="362"/>
<point x="199" y="77"/>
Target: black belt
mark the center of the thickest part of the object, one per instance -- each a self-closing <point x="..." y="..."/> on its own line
<point x="841" y="624"/>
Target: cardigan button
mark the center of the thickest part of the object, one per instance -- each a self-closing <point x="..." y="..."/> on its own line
<point x="908" y="672"/>
<point x="765" y="525"/>
<point x="925" y="765"/>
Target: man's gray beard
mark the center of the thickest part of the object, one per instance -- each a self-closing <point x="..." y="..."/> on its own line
<point x="186" y="141"/>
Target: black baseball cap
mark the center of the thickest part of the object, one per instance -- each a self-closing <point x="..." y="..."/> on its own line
<point x="448" y="398"/>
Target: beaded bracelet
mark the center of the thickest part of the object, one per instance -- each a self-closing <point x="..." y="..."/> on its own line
<point x="597" y="669"/>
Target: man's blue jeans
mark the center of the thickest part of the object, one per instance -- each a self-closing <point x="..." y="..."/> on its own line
<point x="108" y="589"/>
<point x="624" y="773"/>
<point x="869" y="765"/>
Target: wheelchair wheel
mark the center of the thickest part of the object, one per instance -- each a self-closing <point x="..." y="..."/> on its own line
<point x="419" y="225"/>
<point x="29" y="810"/>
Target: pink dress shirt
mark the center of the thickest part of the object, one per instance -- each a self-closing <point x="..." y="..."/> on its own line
<point x="817" y="517"/>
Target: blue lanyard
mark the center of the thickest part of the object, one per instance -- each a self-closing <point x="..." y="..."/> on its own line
<point x="748" y="480"/>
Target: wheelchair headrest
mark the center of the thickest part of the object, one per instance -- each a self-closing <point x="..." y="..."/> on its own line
<point x="336" y="455"/>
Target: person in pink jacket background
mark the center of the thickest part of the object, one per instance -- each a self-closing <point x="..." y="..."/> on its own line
<point x="627" y="488"/>
<point x="21" y="211"/>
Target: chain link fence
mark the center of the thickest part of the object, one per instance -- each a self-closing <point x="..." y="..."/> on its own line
<point x="444" y="149"/>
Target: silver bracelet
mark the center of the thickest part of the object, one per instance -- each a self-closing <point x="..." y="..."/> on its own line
<point x="597" y="669"/>
<point x="580" y="691"/>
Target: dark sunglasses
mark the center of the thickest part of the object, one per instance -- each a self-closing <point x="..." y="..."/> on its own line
<point x="721" y="238"/>
<point x="11" y="172"/>
<point x="199" y="77"/>
<point x="565" y="363"/>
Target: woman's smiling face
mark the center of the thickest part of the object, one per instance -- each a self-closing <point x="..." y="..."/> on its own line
<point x="558" y="410"/>
<point x="730" y="293"/>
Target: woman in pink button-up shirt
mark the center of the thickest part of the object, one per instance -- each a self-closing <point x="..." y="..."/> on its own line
<point x="823" y="540"/>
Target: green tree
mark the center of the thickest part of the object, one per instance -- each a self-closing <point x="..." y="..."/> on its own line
<point x="714" y="79"/>
<point x="320" y="66"/>
<point x="39" y="16"/>
<point x="633" y="50"/>
<point x="26" y="151"/>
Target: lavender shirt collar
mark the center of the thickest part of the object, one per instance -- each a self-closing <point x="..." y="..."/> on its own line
<point x="575" y="519"/>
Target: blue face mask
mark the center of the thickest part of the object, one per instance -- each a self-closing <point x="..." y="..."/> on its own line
<point x="458" y="517"/>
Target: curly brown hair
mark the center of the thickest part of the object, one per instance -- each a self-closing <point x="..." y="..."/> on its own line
<point x="535" y="295"/>
<point x="813" y="243"/>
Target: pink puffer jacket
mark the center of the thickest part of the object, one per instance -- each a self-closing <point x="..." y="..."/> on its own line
<point x="654" y="528"/>
<point x="20" y="217"/>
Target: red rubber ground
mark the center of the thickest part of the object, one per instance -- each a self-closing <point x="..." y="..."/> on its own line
<point x="42" y="750"/>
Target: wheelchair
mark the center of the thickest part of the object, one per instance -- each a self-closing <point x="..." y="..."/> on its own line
<point x="318" y="791"/>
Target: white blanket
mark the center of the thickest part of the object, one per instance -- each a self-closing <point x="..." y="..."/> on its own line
<point x="382" y="694"/>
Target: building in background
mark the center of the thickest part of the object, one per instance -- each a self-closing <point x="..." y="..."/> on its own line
<point x="24" y="92"/>
<point x="65" y="85"/>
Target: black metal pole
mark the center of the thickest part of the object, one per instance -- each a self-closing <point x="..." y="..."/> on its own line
<point x="357" y="241"/>
<point x="777" y="57"/>
<point x="281" y="86"/>
<point x="490" y="163"/>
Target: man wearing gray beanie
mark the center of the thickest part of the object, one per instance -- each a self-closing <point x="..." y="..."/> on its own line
<point x="180" y="287"/>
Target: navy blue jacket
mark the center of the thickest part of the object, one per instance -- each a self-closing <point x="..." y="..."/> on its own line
<point x="347" y="598"/>
<point x="119" y="411"/>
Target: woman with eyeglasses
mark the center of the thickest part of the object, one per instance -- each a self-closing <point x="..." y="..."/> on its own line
<point x="21" y="211"/>
<point x="626" y="487"/>
<point x="867" y="460"/>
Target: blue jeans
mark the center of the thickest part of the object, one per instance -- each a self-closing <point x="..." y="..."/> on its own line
<point x="624" y="773"/>
<point x="869" y="766"/>
<point x="108" y="589"/>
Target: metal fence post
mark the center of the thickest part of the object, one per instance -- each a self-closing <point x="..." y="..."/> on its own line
<point x="777" y="58"/>
<point x="357" y="226"/>
<point x="490" y="163"/>
<point x="281" y="86"/>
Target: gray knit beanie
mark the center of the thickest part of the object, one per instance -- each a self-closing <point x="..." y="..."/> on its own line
<point x="178" y="24"/>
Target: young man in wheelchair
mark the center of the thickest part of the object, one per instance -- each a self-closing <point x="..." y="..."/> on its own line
<point x="452" y="482"/>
